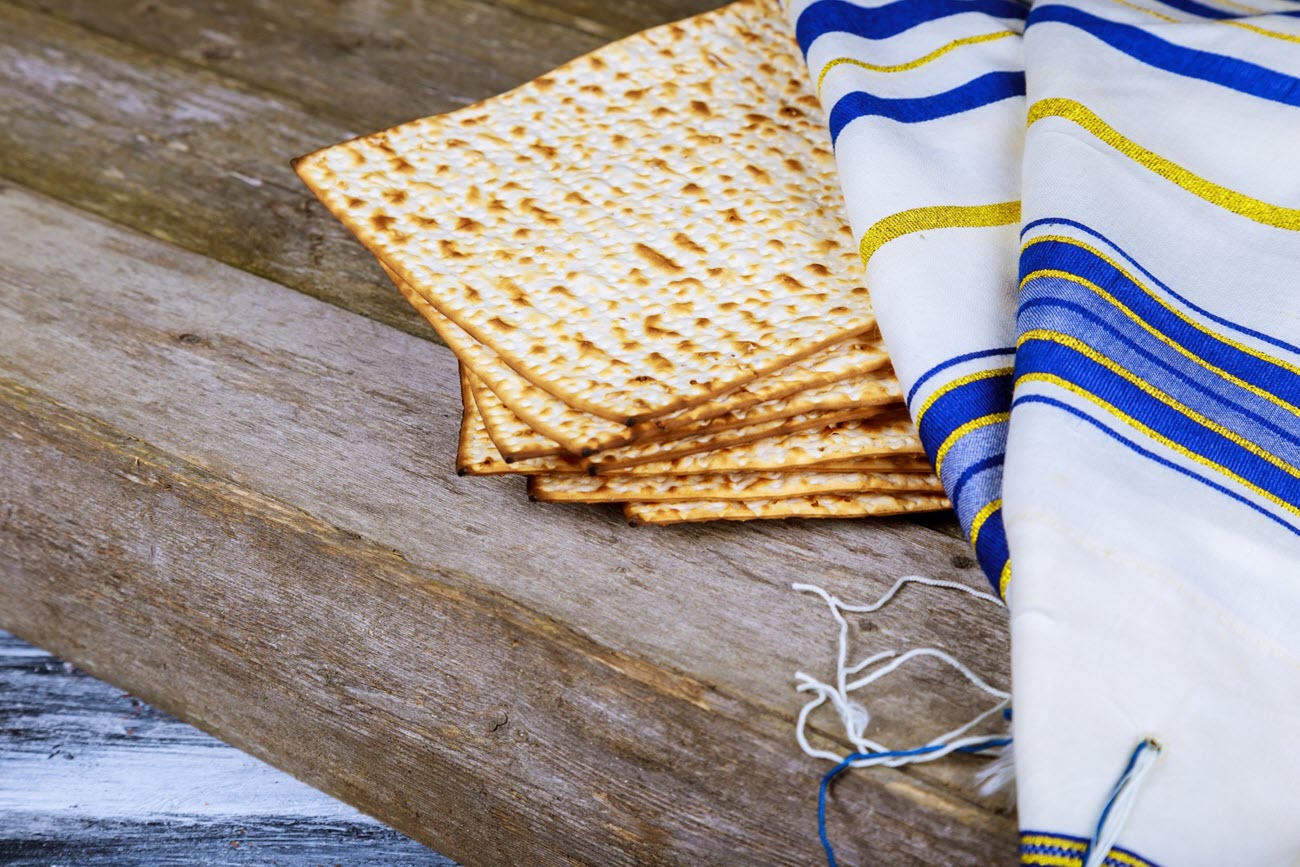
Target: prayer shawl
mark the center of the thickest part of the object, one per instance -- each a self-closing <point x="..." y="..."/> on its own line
<point x="1151" y="485"/>
<point x="1149" y="496"/>
<point x="925" y="102"/>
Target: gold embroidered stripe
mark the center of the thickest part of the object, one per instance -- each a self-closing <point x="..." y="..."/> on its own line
<point x="1159" y="299"/>
<point x="955" y="436"/>
<point x="911" y="64"/>
<point x="935" y="217"/>
<point x="1231" y="200"/>
<point x="1151" y="391"/>
<point x="958" y="383"/>
<point x="1053" y="379"/>
<point x="1182" y="350"/>
<point x="1231" y="22"/>
<point x="1072" y="852"/>
<point x="981" y="517"/>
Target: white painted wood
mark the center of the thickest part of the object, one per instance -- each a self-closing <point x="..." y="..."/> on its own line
<point x="90" y="775"/>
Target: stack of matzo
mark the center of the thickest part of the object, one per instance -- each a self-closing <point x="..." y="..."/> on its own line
<point x="642" y="264"/>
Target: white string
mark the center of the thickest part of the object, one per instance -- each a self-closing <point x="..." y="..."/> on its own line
<point x="1120" y="803"/>
<point x="854" y="716"/>
<point x="898" y="585"/>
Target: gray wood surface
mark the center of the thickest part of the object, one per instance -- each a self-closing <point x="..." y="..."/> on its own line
<point x="94" y="777"/>
<point x="187" y="113"/>
<point x="219" y="472"/>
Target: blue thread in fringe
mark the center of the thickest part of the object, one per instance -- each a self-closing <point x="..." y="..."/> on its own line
<point x="830" y="776"/>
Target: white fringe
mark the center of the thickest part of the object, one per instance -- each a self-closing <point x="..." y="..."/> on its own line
<point x="854" y="715"/>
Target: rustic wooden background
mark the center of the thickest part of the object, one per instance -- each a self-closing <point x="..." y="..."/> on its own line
<point x="226" y="486"/>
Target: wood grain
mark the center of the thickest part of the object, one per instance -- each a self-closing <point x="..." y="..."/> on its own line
<point x="94" y="777"/>
<point x="368" y="64"/>
<point x="293" y="511"/>
<point x="182" y="125"/>
<point x="298" y="461"/>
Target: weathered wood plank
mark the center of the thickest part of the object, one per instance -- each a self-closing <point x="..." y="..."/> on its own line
<point x="94" y="777"/>
<point x="609" y="19"/>
<point x="199" y="158"/>
<point x="366" y="64"/>
<point x="467" y="723"/>
<point x="186" y="155"/>
<point x="312" y="475"/>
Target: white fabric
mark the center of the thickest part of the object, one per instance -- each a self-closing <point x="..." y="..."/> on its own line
<point x="1146" y="602"/>
<point x="1151" y="487"/>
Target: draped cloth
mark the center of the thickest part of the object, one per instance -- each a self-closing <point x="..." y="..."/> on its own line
<point x="925" y="102"/>
<point x="1108" y="379"/>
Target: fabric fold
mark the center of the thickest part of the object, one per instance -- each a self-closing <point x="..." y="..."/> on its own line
<point x="1146" y="476"/>
<point x="925" y="104"/>
<point x="1153" y="465"/>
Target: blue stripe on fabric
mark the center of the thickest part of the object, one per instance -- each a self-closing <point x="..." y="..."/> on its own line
<point x="1132" y="342"/>
<point x="1200" y="311"/>
<point x="1192" y="7"/>
<point x="1058" y="255"/>
<point x="1150" y="455"/>
<point x="968" y="450"/>
<point x="1041" y="356"/>
<point x="987" y="89"/>
<point x="951" y="362"/>
<point x="890" y="19"/>
<point x="991" y="550"/>
<point x="964" y="403"/>
<point x="972" y="466"/>
<point x="990" y="462"/>
<point x="1126" y="857"/>
<point x="1140" y="44"/>
<point x="985" y="487"/>
<point x="1063" y="256"/>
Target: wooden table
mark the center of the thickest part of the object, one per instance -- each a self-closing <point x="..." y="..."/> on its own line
<point x="226" y="484"/>
<point x="93" y="777"/>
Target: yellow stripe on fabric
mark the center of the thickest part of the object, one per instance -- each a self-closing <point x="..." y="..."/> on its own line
<point x="1231" y="200"/>
<point x="1155" y="296"/>
<point x="1074" y="851"/>
<point x="911" y="64"/>
<point x="1004" y="580"/>
<point x="1044" y="860"/>
<point x="1169" y="341"/>
<point x="980" y="518"/>
<point x="1053" y="379"/>
<point x="958" y="383"/>
<point x="972" y="425"/>
<point x="1160" y="335"/>
<point x="1253" y="28"/>
<point x="935" y="217"/>
<point x="1125" y="858"/>
<point x="1153" y="13"/>
<point x="1151" y="391"/>
<point x="1242" y="7"/>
